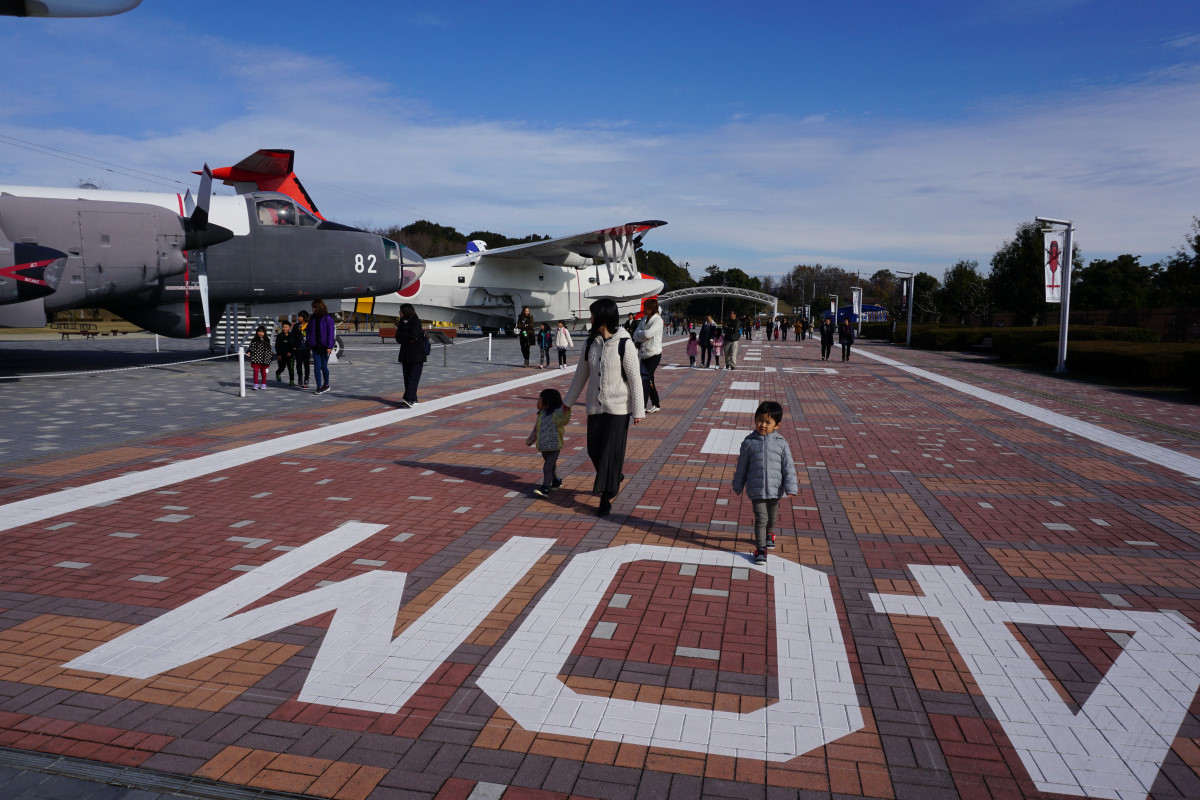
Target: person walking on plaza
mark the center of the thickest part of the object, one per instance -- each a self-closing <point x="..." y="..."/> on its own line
<point x="648" y="336"/>
<point x="545" y="341"/>
<point x="609" y="369"/>
<point x="525" y="332"/>
<point x="300" y="352"/>
<point x="321" y="338"/>
<point x="562" y="340"/>
<point x="547" y="436"/>
<point x="826" y="338"/>
<point x="693" y="349"/>
<point x="708" y="330"/>
<point x="846" y="338"/>
<point x="283" y="353"/>
<point x="730" y="336"/>
<point x="259" y="353"/>
<point x="412" y="352"/>
<point x="766" y="471"/>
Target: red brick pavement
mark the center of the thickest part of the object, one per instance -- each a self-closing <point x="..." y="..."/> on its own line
<point x="893" y="472"/>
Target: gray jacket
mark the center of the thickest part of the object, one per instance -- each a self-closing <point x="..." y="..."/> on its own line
<point x="765" y="468"/>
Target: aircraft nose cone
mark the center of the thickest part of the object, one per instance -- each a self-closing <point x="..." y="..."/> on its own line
<point x="413" y="269"/>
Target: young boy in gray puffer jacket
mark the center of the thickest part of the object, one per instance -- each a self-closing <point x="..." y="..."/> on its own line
<point x="766" y="471"/>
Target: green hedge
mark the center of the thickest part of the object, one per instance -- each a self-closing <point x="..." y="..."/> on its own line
<point x="1191" y="368"/>
<point x="877" y="330"/>
<point x="1017" y="344"/>
<point x="1137" y="363"/>
<point x="935" y="338"/>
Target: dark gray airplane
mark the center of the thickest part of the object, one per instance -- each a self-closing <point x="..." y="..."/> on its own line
<point x="170" y="268"/>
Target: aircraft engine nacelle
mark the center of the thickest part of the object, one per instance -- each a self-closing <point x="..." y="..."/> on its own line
<point x="113" y="250"/>
<point x="28" y="271"/>
<point x="176" y="320"/>
<point x="66" y="8"/>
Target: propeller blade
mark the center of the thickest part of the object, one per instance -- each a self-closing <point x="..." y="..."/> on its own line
<point x="200" y="233"/>
<point x="200" y="215"/>
<point x="202" y="279"/>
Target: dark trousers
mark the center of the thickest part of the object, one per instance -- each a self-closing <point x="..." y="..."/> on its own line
<point x="412" y="378"/>
<point x="525" y="346"/>
<point x="826" y="349"/>
<point x="285" y="362"/>
<point x="549" y="468"/>
<point x="544" y="357"/>
<point x="649" y="390"/>
<point x="321" y="367"/>
<point x="606" y="435"/>
<point x="562" y="356"/>
<point x="706" y="351"/>
<point x="303" y="363"/>
<point x="765" y="511"/>
<point x="845" y="351"/>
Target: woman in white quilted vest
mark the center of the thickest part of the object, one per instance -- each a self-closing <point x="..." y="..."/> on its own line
<point x="649" y="335"/>
<point x="609" y="369"/>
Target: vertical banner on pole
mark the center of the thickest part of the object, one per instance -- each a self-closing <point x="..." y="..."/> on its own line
<point x="856" y="303"/>
<point x="833" y="309"/>
<point x="1055" y="255"/>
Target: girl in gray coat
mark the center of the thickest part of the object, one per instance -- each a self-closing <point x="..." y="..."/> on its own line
<point x="766" y="471"/>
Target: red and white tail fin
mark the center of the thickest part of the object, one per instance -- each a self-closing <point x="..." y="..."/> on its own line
<point x="267" y="171"/>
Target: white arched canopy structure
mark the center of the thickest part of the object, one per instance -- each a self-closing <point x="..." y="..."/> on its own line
<point x="694" y="292"/>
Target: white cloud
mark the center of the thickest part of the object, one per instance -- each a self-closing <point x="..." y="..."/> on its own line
<point x="759" y="193"/>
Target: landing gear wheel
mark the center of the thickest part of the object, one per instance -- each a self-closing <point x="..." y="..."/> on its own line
<point x="338" y="347"/>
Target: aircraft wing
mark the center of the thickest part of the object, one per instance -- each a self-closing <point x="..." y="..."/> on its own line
<point x="568" y="251"/>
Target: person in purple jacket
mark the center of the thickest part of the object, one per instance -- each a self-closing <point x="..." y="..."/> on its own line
<point x="321" y="335"/>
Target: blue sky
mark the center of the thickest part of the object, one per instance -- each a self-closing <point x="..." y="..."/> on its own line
<point x="864" y="135"/>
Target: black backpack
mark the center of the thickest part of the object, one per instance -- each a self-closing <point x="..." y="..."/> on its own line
<point x="587" y="348"/>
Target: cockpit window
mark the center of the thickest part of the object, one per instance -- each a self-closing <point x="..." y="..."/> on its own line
<point x="391" y="250"/>
<point x="276" y="212"/>
<point x="307" y="220"/>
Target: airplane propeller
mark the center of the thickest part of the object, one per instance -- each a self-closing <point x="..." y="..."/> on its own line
<point x="202" y="234"/>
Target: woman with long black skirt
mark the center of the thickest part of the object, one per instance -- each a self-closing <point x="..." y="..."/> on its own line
<point x="610" y="371"/>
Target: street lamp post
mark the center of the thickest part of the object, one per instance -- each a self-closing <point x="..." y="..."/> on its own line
<point x="1065" y="304"/>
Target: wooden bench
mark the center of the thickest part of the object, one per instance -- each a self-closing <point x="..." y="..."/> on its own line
<point x="387" y="334"/>
<point x="85" y="329"/>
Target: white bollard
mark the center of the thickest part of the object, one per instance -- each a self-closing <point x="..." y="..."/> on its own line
<point x="489" y="347"/>
<point x="156" y="342"/>
<point x="242" y="371"/>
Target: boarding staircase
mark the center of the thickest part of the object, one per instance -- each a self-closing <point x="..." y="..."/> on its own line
<point x="236" y="327"/>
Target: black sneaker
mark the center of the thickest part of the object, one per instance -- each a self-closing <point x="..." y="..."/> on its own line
<point x="405" y="404"/>
<point x="771" y="542"/>
<point x="605" y="507"/>
<point x="760" y="556"/>
<point x="557" y="484"/>
<point x="542" y="491"/>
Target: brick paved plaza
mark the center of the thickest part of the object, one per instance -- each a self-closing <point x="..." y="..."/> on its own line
<point x="987" y="587"/>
